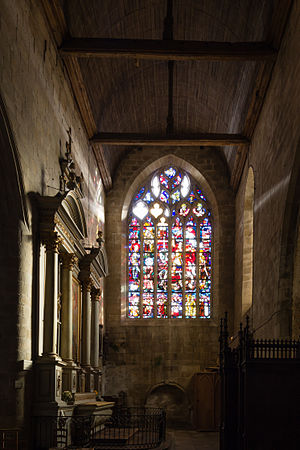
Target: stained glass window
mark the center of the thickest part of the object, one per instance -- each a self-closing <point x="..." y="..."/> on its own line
<point x="169" y="249"/>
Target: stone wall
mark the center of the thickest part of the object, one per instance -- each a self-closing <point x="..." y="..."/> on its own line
<point x="274" y="156"/>
<point x="139" y="353"/>
<point x="40" y="108"/>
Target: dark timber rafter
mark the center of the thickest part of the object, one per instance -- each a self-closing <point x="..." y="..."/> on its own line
<point x="190" y="140"/>
<point x="167" y="49"/>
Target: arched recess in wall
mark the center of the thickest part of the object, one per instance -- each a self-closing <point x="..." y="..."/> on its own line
<point x="247" y="283"/>
<point x="203" y="183"/>
<point x="174" y="399"/>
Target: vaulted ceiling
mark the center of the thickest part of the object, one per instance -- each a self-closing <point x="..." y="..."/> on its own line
<point x="118" y="55"/>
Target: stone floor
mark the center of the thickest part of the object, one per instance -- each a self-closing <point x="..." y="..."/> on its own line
<point x="193" y="440"/>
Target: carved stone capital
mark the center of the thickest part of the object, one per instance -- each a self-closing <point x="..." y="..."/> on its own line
<point x="51" y="240"/>
<point x="95" y="294"/>
<point x="86" y="284"/>
<point x="68" y="260"/>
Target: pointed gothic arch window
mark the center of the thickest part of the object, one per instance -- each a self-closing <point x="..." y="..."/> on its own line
<point x="169" y="249"/>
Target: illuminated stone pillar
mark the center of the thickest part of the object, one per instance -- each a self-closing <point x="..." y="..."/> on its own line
<point x="51" y="241"/>
<point x="68" y="261"/>
<point x="69" y="371"/>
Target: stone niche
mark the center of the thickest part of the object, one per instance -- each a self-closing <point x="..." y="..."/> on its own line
<point x="174" y="400"/>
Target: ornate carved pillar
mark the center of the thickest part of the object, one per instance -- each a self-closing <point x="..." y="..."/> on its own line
<point x="51" y="241"/>
<point x="68" y="261"/>
<point x="85" y="278"/>
<point x="69" y="371"/>
<point x="48" y="367"/>
<point x="95" y="296"/>
<point x="86" y="323"/>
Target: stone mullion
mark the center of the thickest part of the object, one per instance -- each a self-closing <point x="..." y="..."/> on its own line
<point x="155" y="275"/>
<point x="183" y="269"/>
<point x="141" y="269"/>
<point x="197" y="269"/>
<point x="169" y="269"/>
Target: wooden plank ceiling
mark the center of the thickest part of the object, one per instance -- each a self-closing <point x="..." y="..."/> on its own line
<point x="117" y="53"/>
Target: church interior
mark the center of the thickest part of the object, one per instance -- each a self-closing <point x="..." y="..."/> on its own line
<point x="150" y="225"/>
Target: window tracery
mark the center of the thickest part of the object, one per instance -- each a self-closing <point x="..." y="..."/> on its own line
<point x="169" y="249"/>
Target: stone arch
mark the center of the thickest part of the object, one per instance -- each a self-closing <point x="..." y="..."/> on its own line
<point x="144" y="365"/>
<point x="247" y="283"/>
<point x="174" y="399"/>
<point x="212" y="201"/>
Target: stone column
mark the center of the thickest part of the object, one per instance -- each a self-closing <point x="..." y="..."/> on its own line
<point x="51" y="241"/>
<point x="68" y="261"/>
<point x="69" y="379"/>
<point x="86" y="323"/>
<point x="95" y="296"/>
<point x="86" y="335"/>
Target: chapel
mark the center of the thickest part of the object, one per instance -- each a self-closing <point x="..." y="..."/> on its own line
<point x="150" y="223"/>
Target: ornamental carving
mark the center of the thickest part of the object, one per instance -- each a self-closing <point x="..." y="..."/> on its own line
<point x="68" y="260"/>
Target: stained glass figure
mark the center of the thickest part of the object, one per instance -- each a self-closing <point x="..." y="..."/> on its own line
<point x="164" y="181"/>
<point x="176" y="306"/>
<point x="164" y="196"/>
<point x="148" y="197"/>
<point x="184" y="210"/>
<point x="140" y="193"/>
<point x="162" y="305"/>
<point x="177" y="180"/>
<point x="148" y="302"/>
<point x="169" y="250"/>
<point x="191" y="198"/>
<point x="175" y="196"/>
<point x="134" y="306"/>
<point x="170" y="172"/>
<point x="190" y="306"/>
<point x="199" y="192"/>
<point x="199" y="210"/>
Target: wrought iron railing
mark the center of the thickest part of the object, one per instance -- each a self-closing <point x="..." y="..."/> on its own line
<point x="126" y="428"/>
<point x="12" y="439"/>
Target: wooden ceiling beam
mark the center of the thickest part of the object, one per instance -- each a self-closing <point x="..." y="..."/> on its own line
<point x="189" y="140"/>
<point x="167" y="49"/>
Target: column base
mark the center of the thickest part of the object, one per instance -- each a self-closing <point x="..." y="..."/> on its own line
<point x="48" y="380"/>
<point x="89" y="378"/>
<point x="69" y="377"/>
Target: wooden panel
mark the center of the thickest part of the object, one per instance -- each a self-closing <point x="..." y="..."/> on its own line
<point x="207" y="401"/>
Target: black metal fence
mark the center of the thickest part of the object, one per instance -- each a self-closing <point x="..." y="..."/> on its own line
<point x="126" y="428"/>
<point x="260" y="391"/>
